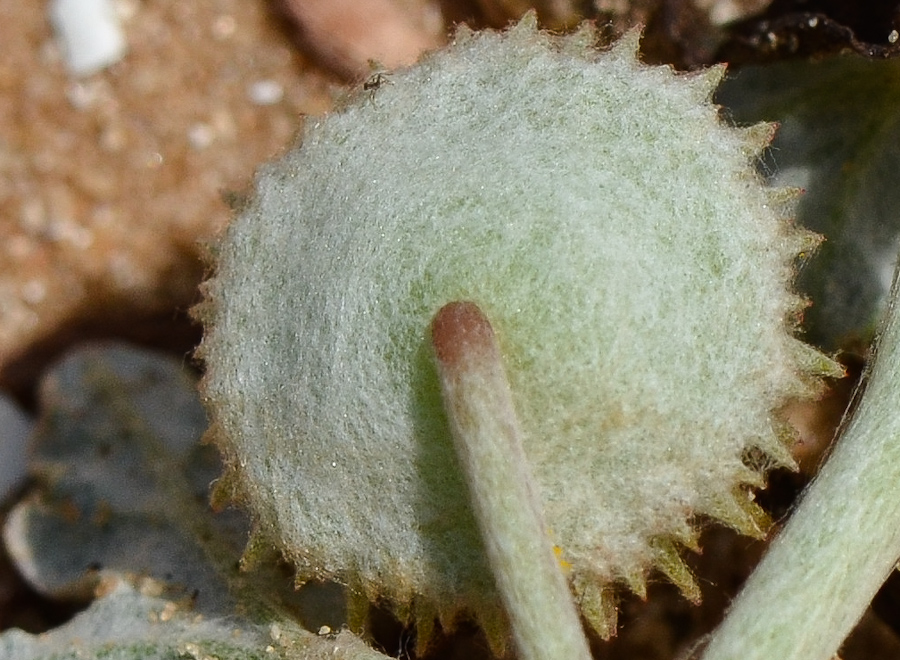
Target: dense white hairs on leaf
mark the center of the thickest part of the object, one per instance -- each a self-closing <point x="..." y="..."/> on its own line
<point x="614" y="232"/>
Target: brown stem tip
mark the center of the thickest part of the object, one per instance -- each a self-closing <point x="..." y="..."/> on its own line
<point x="459" y="331"/>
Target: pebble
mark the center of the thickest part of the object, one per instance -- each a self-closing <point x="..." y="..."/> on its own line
<point x="90" y="33"/>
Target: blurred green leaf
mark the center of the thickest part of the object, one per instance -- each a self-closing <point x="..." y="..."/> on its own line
<point x="123" y="482"/>
<point x="839" y="139"/>
<point x="120" y="512"/>
<point x="126" y="624"/>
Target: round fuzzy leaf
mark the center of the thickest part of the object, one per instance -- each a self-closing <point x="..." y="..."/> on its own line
<point x="635" y="270"/>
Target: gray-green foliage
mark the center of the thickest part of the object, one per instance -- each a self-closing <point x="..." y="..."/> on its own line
<point x="119" y="515"/>
<point x="842" y="540"/>
<point x="839" y="139"/>
<point x="126" y="625"/>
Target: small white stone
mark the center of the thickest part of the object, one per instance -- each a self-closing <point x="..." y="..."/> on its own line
<point x="90" y="32"/>
<point x="224" y="27"/>
<point x="201" y="135"/>
<point x="81" y="95"/>
<point x="893" y="36"/>
<point x="127" y="9"/>
<point x="34" y="292"/>
<point x="265" y="92"/>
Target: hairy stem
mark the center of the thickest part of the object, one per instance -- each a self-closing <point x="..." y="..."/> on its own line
<point x="842" y="541"/>
<point x="486" y="433"/>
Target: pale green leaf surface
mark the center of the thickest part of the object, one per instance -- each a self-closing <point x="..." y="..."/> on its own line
<point x="839" y="139"/>
<point x="129" y="625"/>
<point x="126" y="625"/>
